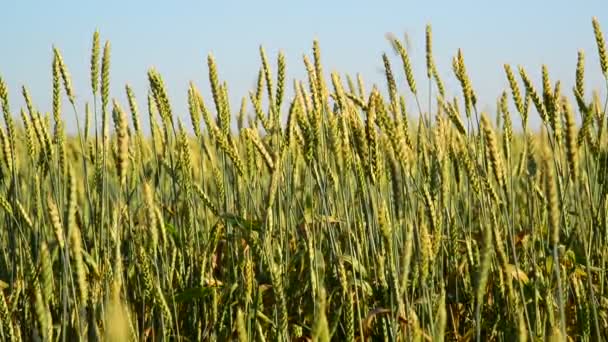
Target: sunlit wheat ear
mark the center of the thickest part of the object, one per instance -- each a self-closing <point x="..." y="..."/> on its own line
<point x="65" y="75"/>
<point x="28" y="102"/>
<point x="339" y="92"/>
<point x="214" y="83"/>
<point x="426" y="250"/>
<point x="398" y="141"/>
<point x="6" y="151"/>
<point x="547" y="90"/>
<point x="407" y="65"/>
<point x="44" y="135"/>
<point x="193" y="109"/>
<point x="361" y="86"/>
<point x="552" y="98"/>
<point x="372" y="139"/>
<point x="161" y="228"/>
<point x="345" y="145"/>
<point x="151" y="215"/>
<point x="87" y="121"/>
<point x="76" y="239"/>
<point x="230" y="150"/>
<point x="431" y="213"/>
<point x="598" y="111"/>
<point x="46" y="273"/>
<point x="321" y="85"/>
<point x="261" y="148"/>
<point x="225" y="116"/>
<point x="392" y="84"/>
<point x="552" y="200"/>
<point x="515" y="92"/>
<point x="359" y="102"/>
<point x="259" y="88"/>
<point x="240" y="119"/>
<point x="267" y="73"/>
<point x="159" y="92"/>
<point x="56" y="93"/>
<point x="42" y="313"/>
<point x="315" y="93"/>
<point x="453" y="114"/>
<point x="404" y="124"/>
<point x="197" y="99"/>
<point x="584" y="133"/>
<point x="536" y="99"/>
<point x="492" y="145"/>
<point x="4" y="98"/>
<point x="185" y="156"/>
<point x="288" y="135"/>
<point x="601" y="45"/>
<point x="458" y="66"/>
<point x="571" y="143"/>
<point x="157" y="133"/>
<point x="55" y="218"/>
<point x="32" y="147"/>
<point x="259" y="113"/>
<point x="430" y="63"/>
<point x="465" y="77"/>
<point x="352" y="88"/>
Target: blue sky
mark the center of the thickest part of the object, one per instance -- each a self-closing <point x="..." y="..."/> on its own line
<point x="176" y="36"/>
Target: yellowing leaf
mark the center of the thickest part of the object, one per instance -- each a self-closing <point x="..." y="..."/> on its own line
<point x="517" y="273"/>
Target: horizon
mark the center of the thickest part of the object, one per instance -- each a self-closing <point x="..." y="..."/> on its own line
<point x="348" y="46"/>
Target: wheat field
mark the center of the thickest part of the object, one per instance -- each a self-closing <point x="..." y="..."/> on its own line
<point x="335" y="214"/>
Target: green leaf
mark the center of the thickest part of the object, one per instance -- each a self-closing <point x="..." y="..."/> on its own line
<point x="172" y="231"/>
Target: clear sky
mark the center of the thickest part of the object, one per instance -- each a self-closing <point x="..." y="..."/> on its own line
<point x="176" y="36"/>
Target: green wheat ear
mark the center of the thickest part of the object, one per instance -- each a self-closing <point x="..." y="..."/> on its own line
<point x="430" y="65"/>
<point x="122" y="158"/>
<point x="580" y="73"/>
<point x="281" y="79"/>
<point x="95" y="48"/>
